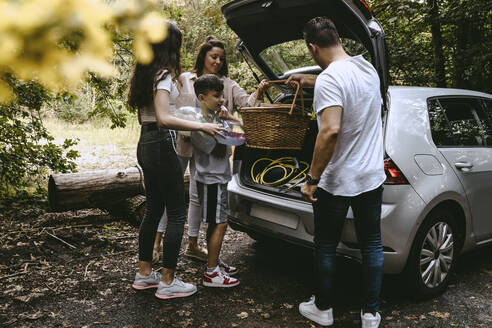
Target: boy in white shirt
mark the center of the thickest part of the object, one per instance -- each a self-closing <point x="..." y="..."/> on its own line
<point x="212" y="174"/>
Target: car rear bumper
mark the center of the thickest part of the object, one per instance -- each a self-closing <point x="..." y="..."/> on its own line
<point x="253" y="210"/>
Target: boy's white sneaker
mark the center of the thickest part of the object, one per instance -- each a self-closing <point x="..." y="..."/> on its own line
<point x="218" y="278"/>
<point x="369" y="320"/>
<point x="311" y="311"/>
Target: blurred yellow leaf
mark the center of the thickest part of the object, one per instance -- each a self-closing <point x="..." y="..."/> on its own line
<point x="57" y="42"/>
<point x="143" y="52"/>
<point x="153" y="26"/>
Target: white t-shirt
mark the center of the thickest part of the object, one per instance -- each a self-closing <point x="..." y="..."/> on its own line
<point x="147" y="114"/>
<point x="169" y="85"/>
<point x="357" y="163"/>
<point x="210" y="169"/>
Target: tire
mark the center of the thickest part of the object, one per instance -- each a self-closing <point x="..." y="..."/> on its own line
<point x="433" y="255"/>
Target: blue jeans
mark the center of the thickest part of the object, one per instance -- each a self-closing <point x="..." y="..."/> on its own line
<point x="329" y="216"/>
<point x="164" y="189"/>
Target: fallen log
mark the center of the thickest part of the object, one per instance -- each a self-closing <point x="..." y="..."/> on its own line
<point x="117" y="190"/>
<point x="93" y="189"/>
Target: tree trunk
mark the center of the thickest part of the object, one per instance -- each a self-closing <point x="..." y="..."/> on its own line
<point x="463" y="27"/>
<point x="93" y="189"/>
<point x="437" y="43"/>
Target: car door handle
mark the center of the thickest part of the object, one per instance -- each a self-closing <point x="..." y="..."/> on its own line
<point x="464" y="166"/>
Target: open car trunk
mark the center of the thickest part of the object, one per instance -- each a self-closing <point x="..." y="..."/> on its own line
<point x="261" y="24"/>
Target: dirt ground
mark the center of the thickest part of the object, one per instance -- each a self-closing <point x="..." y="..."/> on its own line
<point x="74" y="269"/>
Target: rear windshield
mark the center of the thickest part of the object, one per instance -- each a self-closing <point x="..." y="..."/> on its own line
<point x="291" y="55"/>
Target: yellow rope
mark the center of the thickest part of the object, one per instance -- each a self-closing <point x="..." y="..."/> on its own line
<point x="284" y="163"/>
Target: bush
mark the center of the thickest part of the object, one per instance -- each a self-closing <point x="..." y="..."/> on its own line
<point x="27" y="151"/>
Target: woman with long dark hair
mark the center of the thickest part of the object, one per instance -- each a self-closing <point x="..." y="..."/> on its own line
<point x="211" y="59"/>
<point x="153" y="93"/>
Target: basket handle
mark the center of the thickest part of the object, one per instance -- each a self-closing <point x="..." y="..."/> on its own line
<point x="298" y="90"/>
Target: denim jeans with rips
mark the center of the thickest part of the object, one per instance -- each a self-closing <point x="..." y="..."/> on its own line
<point x="329" y="216"/>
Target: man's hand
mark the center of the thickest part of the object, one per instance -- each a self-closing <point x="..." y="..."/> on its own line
<point x="305" y="80"/>
<point x="307" y="192"/>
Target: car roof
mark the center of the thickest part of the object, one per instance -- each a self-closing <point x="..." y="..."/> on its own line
<point x="427" y="92"/>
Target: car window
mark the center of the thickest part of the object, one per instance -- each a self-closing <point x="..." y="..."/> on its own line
<point x="488" y="108"/>
<point x="294" y="54"/>
<point x="440" y="129"/>
<point x="286" y="56"/>
<point x="466" y="120"/>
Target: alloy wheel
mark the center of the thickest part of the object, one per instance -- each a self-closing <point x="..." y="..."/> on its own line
<point x="436" y="254"/>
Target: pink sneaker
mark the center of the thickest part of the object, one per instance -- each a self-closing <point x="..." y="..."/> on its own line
<point x="219" y="278"/>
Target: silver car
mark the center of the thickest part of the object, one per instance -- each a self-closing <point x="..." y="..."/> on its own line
<point x="437" y="201"/>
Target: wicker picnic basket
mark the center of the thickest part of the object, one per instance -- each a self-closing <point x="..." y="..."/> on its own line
<point x="276" y="126"/>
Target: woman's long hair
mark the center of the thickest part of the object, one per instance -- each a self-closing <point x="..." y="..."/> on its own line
<point x="209" y="43"/>
<point x="146" y="77"/>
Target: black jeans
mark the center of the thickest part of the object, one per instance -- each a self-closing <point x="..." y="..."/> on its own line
<point x="164" y="189"/>
<point x="329" y="217"/>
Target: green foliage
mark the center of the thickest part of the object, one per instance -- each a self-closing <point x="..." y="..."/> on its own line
<point x="466" y="35"/>
<point x="409" y="41"/>
<point x="26" y="148"/>
<point x="241" y="73"/>
<point x="108" y="100"/>
<point x="100" y="97"/>
<point x="199" y="19"/>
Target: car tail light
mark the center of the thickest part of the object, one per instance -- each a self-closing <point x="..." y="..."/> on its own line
<point x="393" y="173"/>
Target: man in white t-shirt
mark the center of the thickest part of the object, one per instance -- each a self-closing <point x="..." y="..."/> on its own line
<point x="347" y="168"/>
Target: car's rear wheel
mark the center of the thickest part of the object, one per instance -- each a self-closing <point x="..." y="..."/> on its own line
<point x="433" y="254"/>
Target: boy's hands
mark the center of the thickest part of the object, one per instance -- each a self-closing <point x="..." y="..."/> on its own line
<point x="212" y="129"/>
<point x="223" y="113"/>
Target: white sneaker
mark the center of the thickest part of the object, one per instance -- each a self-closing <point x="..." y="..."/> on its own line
<point x="311" y="311"/>
<point x="369" y="320"/>
<point x="229" y="269"/>
<point x="145" y="282"/>
<point x="177" y="288"/>
<point x="219" y="278"/>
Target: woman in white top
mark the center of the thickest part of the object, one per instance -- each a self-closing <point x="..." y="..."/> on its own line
<point x="152" y="93"/>
<point x="211" y="59"/>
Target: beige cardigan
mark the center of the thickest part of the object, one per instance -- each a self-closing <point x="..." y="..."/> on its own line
<point x="234" y="98"/>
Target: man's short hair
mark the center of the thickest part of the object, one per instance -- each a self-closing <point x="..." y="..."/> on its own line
<point x="206" y="83"/>
<point x="322" y="32"/>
